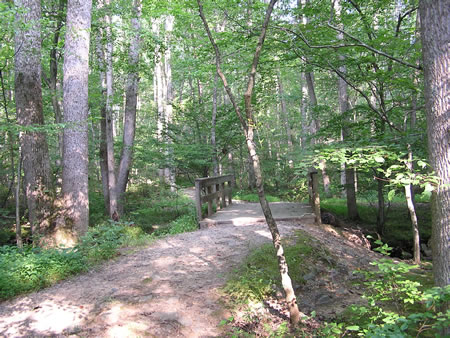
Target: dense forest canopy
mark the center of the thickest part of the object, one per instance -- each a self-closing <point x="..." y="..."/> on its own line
<point x="102" y="99"/>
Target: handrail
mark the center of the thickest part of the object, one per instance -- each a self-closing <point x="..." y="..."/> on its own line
<point x="213" y="189"/>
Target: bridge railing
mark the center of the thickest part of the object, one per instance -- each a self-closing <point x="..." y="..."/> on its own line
<point x="213" y="189"/>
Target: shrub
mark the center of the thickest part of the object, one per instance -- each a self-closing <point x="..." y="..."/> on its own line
<point x="397" y="305"/>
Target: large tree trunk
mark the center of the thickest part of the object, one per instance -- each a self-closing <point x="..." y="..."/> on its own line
<point x="129" y="127"/>
<point x="435" y="16"/>
<point x="28" y="96"/>
<point x="248" y="124"/>
<point x="75" y="102"/>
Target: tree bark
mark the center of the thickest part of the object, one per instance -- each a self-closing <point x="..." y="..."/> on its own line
<point x="249" y="135"/>
<point x="169" y="172"/>
<point x="435" y="16"/>
<point x="129" y="128"/>
<point x="10" y="141"/>
<point x="112" y="187"/>
<point x="284" y="114"/>
<point x="103" y="154"/>
<point x="28" y="97"/>
<point x="352" y="211"/>
<point x="215" y="160"/>
<point x="75" y="102"/>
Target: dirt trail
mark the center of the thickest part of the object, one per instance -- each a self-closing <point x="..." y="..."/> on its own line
<point x="166" y="290"/>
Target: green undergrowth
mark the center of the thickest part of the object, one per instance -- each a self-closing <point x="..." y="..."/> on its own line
<point x="33" y="268"/>
<point x="255" y="279"/>
<point x="253" y="197"/>
<point x="397" y="230"/>
<point x="401" y="302"/>
<point x="153" y="208"/>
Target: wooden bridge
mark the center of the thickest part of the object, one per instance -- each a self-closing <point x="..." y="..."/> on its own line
<point x="217" y="191"/>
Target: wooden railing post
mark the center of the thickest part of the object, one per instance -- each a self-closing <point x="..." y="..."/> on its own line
<point x="198" y="199"/>
<point x="315" y="197"/>
<point x="216" y="189"/>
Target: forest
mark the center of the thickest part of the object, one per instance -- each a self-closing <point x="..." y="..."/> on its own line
<point x="111" y="109"/>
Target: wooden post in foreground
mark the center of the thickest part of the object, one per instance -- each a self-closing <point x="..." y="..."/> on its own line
<point x="315" y="198"/>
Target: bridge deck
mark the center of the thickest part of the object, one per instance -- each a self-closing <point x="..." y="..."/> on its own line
<point x="240" y="213"/>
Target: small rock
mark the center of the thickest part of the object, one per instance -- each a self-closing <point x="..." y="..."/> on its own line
<point x="323" y="299"/>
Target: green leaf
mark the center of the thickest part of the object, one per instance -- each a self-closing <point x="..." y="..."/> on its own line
<point x="391" y="195"/>
<point x="353" y="328"/>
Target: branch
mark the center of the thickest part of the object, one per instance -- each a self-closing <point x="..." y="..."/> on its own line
<point x="371" y="106"/>
<point x="252" y="75"/>
<point x="218" y="67"/>
<point x="401" y="17"/>
<point x="376" y="51"/>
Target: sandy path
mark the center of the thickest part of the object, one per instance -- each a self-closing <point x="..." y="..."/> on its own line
<point x="168" y="289"/>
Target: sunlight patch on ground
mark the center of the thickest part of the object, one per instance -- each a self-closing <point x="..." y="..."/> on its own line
<point x="52" y="317"/>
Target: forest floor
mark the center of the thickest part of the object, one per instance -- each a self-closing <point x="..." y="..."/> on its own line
<point x="171" y="288"/>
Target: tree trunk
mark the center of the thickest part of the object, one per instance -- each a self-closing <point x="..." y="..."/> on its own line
<point x="53" y="83"/>
<point x="129" y="127"/>
<point x="352" y="211"/>
<point x="435" y="16"/>
<point x="75" y="102"/>
<point x="28" y="97"/>
<point x="112" y="187"/>
<point x="284" y="114"/>
<point x="381" y="219"/>
<point x="169" y="172"/>
<point x="213" y="129"/>
<point x="304" y="111"/>
<point x="10" y="141"/>
<point x="19" y="241"/>
<point x="103" y="154"/>
<point x="409" y="189"/>
<point x="249" y="135"/>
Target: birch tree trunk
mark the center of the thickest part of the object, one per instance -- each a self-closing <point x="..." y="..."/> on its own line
<point x="435" y="34"/>
<point x="28" y="97"/>
<point x="249" y="135"/>
<point x="129" y="127"/>
<point x="75" y="102"/>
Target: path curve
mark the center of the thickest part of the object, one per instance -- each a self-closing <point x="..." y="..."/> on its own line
<point x="168" y="289"/>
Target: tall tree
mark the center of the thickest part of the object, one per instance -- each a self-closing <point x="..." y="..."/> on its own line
<point x="105" y="59"/>
<point x="248" y="126"/>
<point x="131" y="95"/>
<point x="75" y="103"/>
<point x="28" y="97"/>
<point x="435" y="33"/>
<point x="344" y="106"/>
